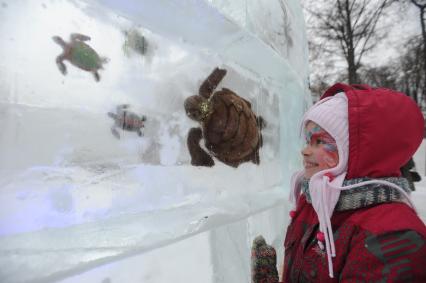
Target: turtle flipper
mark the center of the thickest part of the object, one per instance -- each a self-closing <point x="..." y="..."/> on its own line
<point x="96" y="75"/>
<point x="210" y="84"/>
<point x="60" y="62"/>
<point x="255" y="158"/>
<point x="261" y="123"/>
<point x="112" y="115"/>
<point x="122" y="107"/>
<point x="104" y="60"/>
<point x="79" y="36"/>
<point x="115" y="132"/>
<point x="198" y="156"/>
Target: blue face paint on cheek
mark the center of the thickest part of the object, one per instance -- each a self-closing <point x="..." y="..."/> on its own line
<point x="331" y="147"/>
<point x="315" y="130"/>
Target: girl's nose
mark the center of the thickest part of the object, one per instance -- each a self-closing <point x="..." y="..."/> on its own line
<point x="306" y="150"/>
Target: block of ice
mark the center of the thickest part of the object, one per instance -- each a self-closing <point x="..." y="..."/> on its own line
<point x="94" y="160"/>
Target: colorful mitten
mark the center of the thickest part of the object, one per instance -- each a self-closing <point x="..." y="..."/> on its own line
<point x="263" y="262"/>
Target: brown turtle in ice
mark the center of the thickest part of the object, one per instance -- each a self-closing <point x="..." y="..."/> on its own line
<point x="230" y="129"/>
<point x="126" y="120"/>
<point x="78" y="53"/>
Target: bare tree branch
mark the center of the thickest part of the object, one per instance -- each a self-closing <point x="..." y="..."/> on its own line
<point x="351" y="26"/>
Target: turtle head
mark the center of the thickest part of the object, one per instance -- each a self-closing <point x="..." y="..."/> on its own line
<point x="197" y="108"/>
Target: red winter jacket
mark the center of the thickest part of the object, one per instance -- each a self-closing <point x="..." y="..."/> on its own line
<point x="379" y="243"/>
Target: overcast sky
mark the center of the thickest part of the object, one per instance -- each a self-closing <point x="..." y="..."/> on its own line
<point x="401" y="25"/>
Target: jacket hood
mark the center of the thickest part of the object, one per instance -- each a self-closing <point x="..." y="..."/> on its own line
<point x="385" y="129"/>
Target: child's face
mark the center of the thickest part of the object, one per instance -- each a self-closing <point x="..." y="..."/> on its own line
<point x="320" y="151"/>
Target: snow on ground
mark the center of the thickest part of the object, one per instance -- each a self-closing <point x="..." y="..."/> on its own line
<point x="419" y="196"/>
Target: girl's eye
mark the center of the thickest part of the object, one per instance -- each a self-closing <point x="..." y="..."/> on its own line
<point x="319" y="141"/>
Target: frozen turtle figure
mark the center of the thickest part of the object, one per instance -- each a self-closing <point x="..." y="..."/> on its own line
<point x="135" y="42"/>
<point x="230" y="129"/>
<point x="126" y="120"/>
<point x="78" y="53"/>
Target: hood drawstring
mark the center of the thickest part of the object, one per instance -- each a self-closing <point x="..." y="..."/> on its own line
<point x="324" y="209"/>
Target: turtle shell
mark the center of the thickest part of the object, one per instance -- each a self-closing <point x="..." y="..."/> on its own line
<point x="131" y="122"/>
<point x="84" y="56"/>
<point x="231" y="132"/>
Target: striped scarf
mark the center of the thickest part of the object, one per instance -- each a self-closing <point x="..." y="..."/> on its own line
<point x="367" y="195"/>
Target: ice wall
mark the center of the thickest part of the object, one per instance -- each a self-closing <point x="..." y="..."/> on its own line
<point x="74" y="197"/>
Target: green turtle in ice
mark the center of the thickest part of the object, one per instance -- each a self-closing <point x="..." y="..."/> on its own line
<point x="126" y="120"/>
<point x="78" y="53"/>
<point x="135" y="42"/>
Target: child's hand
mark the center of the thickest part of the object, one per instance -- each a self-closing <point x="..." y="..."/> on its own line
<point x="263" y="262"/>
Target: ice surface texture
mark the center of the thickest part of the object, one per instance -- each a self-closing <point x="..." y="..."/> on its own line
<point x="73" y="196"/>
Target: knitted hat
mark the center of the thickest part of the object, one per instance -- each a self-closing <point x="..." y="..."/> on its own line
<point x="331" y="114"/>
